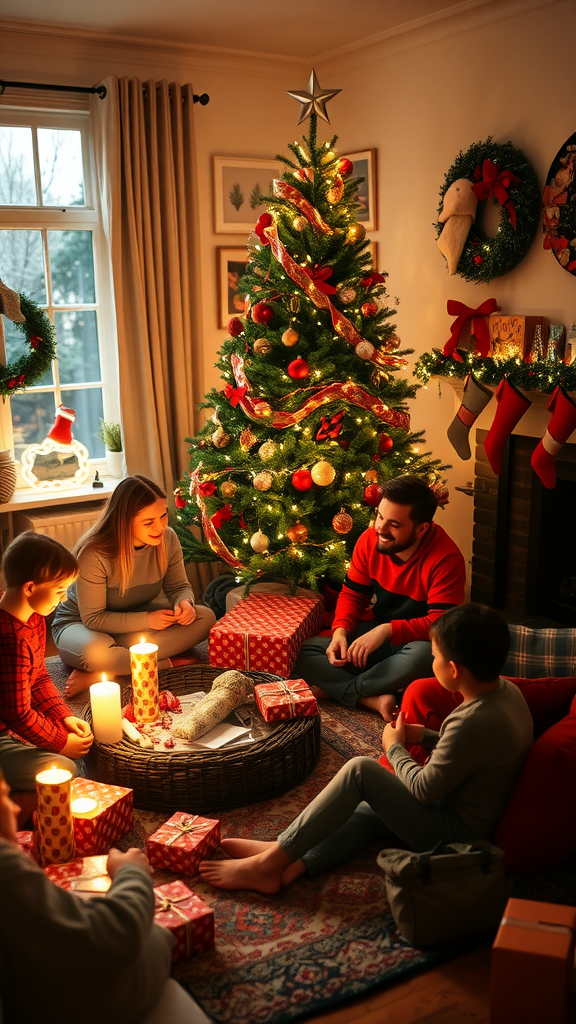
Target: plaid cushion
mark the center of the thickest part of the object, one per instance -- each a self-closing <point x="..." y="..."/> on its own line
<point x="541" y="652"/>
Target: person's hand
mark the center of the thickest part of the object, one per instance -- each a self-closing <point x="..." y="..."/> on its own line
<point x="117" y="860"/>
<point x="77" y="725"/>
<point x="184" y="613"/>
<point x="161" y="618"/>
<point x="394" y="732"/>
<point x="336" y="650"/>
<point x="364" y="645"/>
<point x="76" y="746"/>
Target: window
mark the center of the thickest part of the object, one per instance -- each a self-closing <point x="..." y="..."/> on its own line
<point x="51" y="249"/>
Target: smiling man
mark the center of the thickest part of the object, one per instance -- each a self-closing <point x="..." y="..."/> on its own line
<point x="407" y="568"/>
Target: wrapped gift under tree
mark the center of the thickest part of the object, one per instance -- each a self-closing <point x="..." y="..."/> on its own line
<point x="182" y="842"/>
<point x="280" y="700"/>
<point x="185" y="914"/>
<point x="102" y="814"/>
<point x="265" y="633"/>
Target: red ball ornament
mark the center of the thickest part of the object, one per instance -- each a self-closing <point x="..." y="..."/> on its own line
<point x="372" y="495"/>
<point x="302" y="480"/>
<point x="235" y="327"/>
<point x="262" y="313"/>
<point x="369" y="309"/>
<point x="385" y="443"/>
<point x="345" y="167"/>
<point x="265" y="221"/>
<point x="298" y="369"/>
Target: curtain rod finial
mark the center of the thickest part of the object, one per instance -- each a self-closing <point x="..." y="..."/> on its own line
<point x="203" y="99"/>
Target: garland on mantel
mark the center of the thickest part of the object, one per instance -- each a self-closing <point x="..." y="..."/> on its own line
<point x="538" y="376"/>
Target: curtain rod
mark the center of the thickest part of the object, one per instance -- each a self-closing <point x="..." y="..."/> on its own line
<point x="99" y="90"/>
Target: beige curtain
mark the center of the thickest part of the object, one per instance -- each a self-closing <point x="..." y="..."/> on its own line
<point x="144" y="152"/>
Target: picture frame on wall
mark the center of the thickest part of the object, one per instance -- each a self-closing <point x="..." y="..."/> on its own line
<point x="373" y="250"/>
<point x="365" y="167"/>
<point x="239" y="182"/>
<point x="231" y="264"/>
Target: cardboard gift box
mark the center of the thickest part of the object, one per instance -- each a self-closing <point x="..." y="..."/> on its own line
<point x="83" y="875"/>
<point x="512" y="337"/>
<point x="264" y="633"/>
<point x="532" y="961"/>
<point x="186" y="915"/>
<point x="182" y="842"/>
<point x="292" y="699"/>
<point x="96" y="831"/>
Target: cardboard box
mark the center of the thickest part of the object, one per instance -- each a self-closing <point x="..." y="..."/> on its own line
<point x="98" y="830"/>
<point x="182" y="842"/>
<point x="264" y="633"/>
<point x="185" y="914"/>
<point x="279" y="701"/>
<point x="532" y="962"/>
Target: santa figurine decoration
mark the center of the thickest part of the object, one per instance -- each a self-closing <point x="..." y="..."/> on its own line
<point x="59" y="461"/>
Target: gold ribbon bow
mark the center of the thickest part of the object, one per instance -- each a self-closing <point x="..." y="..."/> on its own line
<point x="184" y="827"/>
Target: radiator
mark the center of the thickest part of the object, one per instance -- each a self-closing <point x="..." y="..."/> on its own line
<point x="65" y="523"/>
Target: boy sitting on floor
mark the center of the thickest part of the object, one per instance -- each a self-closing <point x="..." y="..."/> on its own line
<point x="458" y="795"/>
<point x="37" y="729"/>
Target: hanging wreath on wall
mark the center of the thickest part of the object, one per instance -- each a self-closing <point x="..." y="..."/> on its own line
<point x="487" y="171"/>
<point x="39" y="333"/>
<point x="559" y="206"/>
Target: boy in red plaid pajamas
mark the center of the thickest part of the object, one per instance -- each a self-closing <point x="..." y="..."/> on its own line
<point x="37" y="729"/>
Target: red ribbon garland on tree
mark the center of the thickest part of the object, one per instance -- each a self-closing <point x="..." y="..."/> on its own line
<point x="480" y="330"/>
<point x="491" y="182"/>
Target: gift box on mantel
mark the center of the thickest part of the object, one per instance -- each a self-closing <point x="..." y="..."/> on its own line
<point x="186" y="915"/>
<point x="182" y="842"/>
<point x="98" y="828"/>
<point x="532" y="962"/>
<point x="278" y="700"/>
<point x="86" y="876"/>
<point x="264" y="633"/>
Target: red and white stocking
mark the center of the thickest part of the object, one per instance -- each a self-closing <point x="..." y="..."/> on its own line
<point x="512" y="405"/>
<point x="562" y="423"/>
<point x="474" y="400"/>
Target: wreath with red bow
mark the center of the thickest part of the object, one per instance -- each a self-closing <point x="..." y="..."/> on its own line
<point x="29" y="368"/>
<point x="500" y="174"/>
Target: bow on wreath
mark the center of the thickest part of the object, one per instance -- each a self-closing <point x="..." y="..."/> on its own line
<point x="330" y="427"/>
<point x="479" y="326"/>
<point x="492" y="183"/>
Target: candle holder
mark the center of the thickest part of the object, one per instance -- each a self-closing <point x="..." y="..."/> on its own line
<point x="106" y="712"/>
<point x="144" y="669"/>
<point x="55" y="823"/>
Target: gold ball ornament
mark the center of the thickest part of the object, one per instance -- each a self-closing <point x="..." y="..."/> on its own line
<point x="262" y="346"/>
<point x="299" y="223"/>
<point x="347" y="295"/>
<point x="290" y="337"/>
<point x="259" y="542"/>
<point x="371" y="476"/>
<point x="342" y="522"/>
<point x="364" y="350"/>
<point x="263" y="481"/>
<point x="323" y="473"/>
<point x="228" y="489"/>
<point x="247" y="439"/>
<point x="220" y="438"/>
<point x="267" y="450"/>
<point x="297" y="533"/>
<point x="356" y="233"/>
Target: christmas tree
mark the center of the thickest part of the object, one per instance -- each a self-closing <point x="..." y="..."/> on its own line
<point x="285" y="474"/>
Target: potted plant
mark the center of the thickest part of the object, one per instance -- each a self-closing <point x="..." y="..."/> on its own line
<point x="111" y="434"/>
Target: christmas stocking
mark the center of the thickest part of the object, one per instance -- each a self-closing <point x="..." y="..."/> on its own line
<point x="562" y="423"/>
<point x="474" y="400"/>
<point x="512" y="405"/>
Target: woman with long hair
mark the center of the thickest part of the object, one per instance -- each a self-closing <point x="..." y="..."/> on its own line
<point x="132" y="586"/>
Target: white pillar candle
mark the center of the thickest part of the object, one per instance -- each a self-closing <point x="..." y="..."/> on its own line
<point x="55" y="825"/>
<point x="144" y="668"/>
<point x="106" y="712"/>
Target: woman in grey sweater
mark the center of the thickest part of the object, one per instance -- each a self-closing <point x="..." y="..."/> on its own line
<point x="132" y="586"/>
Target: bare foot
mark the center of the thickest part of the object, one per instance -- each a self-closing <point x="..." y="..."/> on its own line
<point x="244" y="847"/>
<point x="385" y="705"/>
<point x="318" y="693"/>
<point x="293" y="871"/>
<point x="260" y="873"/>
<point x="78" y="681"/>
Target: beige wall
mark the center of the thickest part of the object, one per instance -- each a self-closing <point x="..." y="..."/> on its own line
<point x="502" y="70"/>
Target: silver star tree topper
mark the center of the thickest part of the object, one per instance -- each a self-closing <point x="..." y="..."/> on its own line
<point x="314" y="101"/>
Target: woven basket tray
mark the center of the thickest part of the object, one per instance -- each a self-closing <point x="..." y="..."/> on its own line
<point x="208" y="780"/>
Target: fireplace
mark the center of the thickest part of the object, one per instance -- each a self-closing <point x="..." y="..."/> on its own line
<point x="524" y="541"/>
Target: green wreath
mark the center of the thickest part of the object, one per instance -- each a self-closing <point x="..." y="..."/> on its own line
<point x="30" y="367"/>
<point x="502" y="173"/>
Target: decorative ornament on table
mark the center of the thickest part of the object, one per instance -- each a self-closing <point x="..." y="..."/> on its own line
<point x="297" y="533"/>
<point x="290" y="337"/>
<point x="259" y="542"/>
<point x="262" y="346"/>
<point x="262" y="313"/>
<point x="59" y="461"/>
<point x="561" y="424"/>
<point x="314" y="100"/>
<point x="228" y="488"/>
<point x="247" y="439"/>
<point x="267" y="450"/>
<point x="342" y="522"/>
<point x="302" y="480"/>
<point x="220" y="439"/>
<point x="39" y="334"/>
<point x="558" y="207"/>
<point x="347" y="295"/>
<point x="474" y="400"/>
<point x="372" y="495"/>
<point x="263" y="481"/>
<point x="298" y="369"/>
<point x="355" y="233"/>
<point x="323" y="473"/>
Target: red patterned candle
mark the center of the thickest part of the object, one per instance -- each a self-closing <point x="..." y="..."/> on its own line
<point x="144" y="668"/>
<point x="55" y="824"/>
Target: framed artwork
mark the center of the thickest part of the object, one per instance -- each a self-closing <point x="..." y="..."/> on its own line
<point x="239" y="186"/>
<point x="365" y="167"/>
<point x="373" y="250"/>
<point x="231" y="265"/>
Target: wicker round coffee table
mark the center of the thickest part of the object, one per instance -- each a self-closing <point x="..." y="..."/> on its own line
<point x="208" y="780"/>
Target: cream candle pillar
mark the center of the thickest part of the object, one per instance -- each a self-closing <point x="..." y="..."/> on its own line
<point x="55" y="824"/>
<point x="84" y="807"/>
<point x="106" y="711"/>
<point x="144" y="668"/>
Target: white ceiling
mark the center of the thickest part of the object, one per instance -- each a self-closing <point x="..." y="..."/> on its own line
<point x="291" y="28"/>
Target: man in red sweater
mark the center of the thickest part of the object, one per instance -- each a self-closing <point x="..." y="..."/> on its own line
<point x="410" y="571"/>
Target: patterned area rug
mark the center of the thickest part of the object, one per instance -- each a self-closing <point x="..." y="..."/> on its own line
<point x="318" y="943"/>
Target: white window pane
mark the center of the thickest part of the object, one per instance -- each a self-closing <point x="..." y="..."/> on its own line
<point x="71" y="267"/>
<point x="17" y="185"/>
<point x="18" y="348"/>
<point x="32" y="416"/>
<point x="61" y="173"/>
<point x="22" y="263"/>
<point x="87" y="405"/>
<point x="78" y="356"/>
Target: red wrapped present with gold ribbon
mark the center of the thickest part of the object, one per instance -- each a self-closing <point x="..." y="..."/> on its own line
<point x="186" y="915"/>
<point x="102" y="814"/>
<point x="264" y="632"/>
<point x="292" y="699"/>
<point x="83" y="875"/>
<point x="182" y="842"/>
